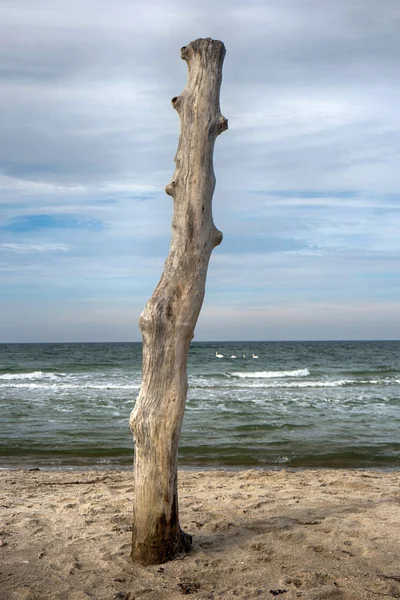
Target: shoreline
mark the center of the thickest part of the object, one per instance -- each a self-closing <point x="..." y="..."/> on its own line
<point x="199" y="468"/>
<point x="316" y="534"/>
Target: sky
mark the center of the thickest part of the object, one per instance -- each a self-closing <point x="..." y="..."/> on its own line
<point x="308" y="174"/>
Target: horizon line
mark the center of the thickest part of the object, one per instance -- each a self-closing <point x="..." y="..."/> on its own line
<point x="331" y="341"/>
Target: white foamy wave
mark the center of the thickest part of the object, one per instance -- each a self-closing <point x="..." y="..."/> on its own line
<point x="224" y="408"/>
<point x="271" y="374"/>
<point x="300" y="384"/>
<point x="67" y="386"/>
<point x="30" y="376"/>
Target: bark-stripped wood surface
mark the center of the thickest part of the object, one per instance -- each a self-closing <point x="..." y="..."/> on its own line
<point x="169" y="318"/>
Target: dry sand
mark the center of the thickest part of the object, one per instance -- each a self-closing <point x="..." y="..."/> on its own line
<point x="315" y="535"/>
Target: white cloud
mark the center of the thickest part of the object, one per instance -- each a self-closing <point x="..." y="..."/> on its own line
<point x="29" y="248"/>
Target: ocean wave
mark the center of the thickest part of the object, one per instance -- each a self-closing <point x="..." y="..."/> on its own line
<point x="74" y="386"/>
<point x="302" y="384"/>
<point x="281" y="384"/>
<point x="31" y="375"/>
<point x="271" y="374"/>
<point x="278" y="383"/>
<point x="315" y="384"/>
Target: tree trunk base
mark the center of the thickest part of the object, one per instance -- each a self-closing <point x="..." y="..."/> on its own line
<point x="161" y="550"/>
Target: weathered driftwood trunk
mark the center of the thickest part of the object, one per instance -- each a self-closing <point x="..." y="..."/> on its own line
<point x="170" y="316"/>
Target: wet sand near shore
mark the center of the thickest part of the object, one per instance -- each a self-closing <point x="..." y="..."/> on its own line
<point x="316" y="535"/>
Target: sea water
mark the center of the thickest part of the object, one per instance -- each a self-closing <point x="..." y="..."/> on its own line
<point x="250" y="404"/>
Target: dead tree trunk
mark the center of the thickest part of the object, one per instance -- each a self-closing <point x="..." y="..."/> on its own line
<point x="169" y="318"/>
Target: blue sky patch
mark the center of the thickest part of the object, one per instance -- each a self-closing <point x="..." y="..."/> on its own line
<point x="29" y="223"/>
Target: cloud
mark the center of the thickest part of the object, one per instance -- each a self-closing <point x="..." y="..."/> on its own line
<point x="308" y="175"/>
<point x="33" y="248"/>
<point x="307" y="194"/>
<point x="328" y="321"/>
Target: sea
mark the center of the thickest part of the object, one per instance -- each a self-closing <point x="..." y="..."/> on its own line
<point x="273" y="405"/>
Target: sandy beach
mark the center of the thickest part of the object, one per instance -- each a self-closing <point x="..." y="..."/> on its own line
<point x="316" y="535"/>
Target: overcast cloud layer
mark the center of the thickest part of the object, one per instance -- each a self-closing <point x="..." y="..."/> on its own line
<point x="308" y="174"/>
